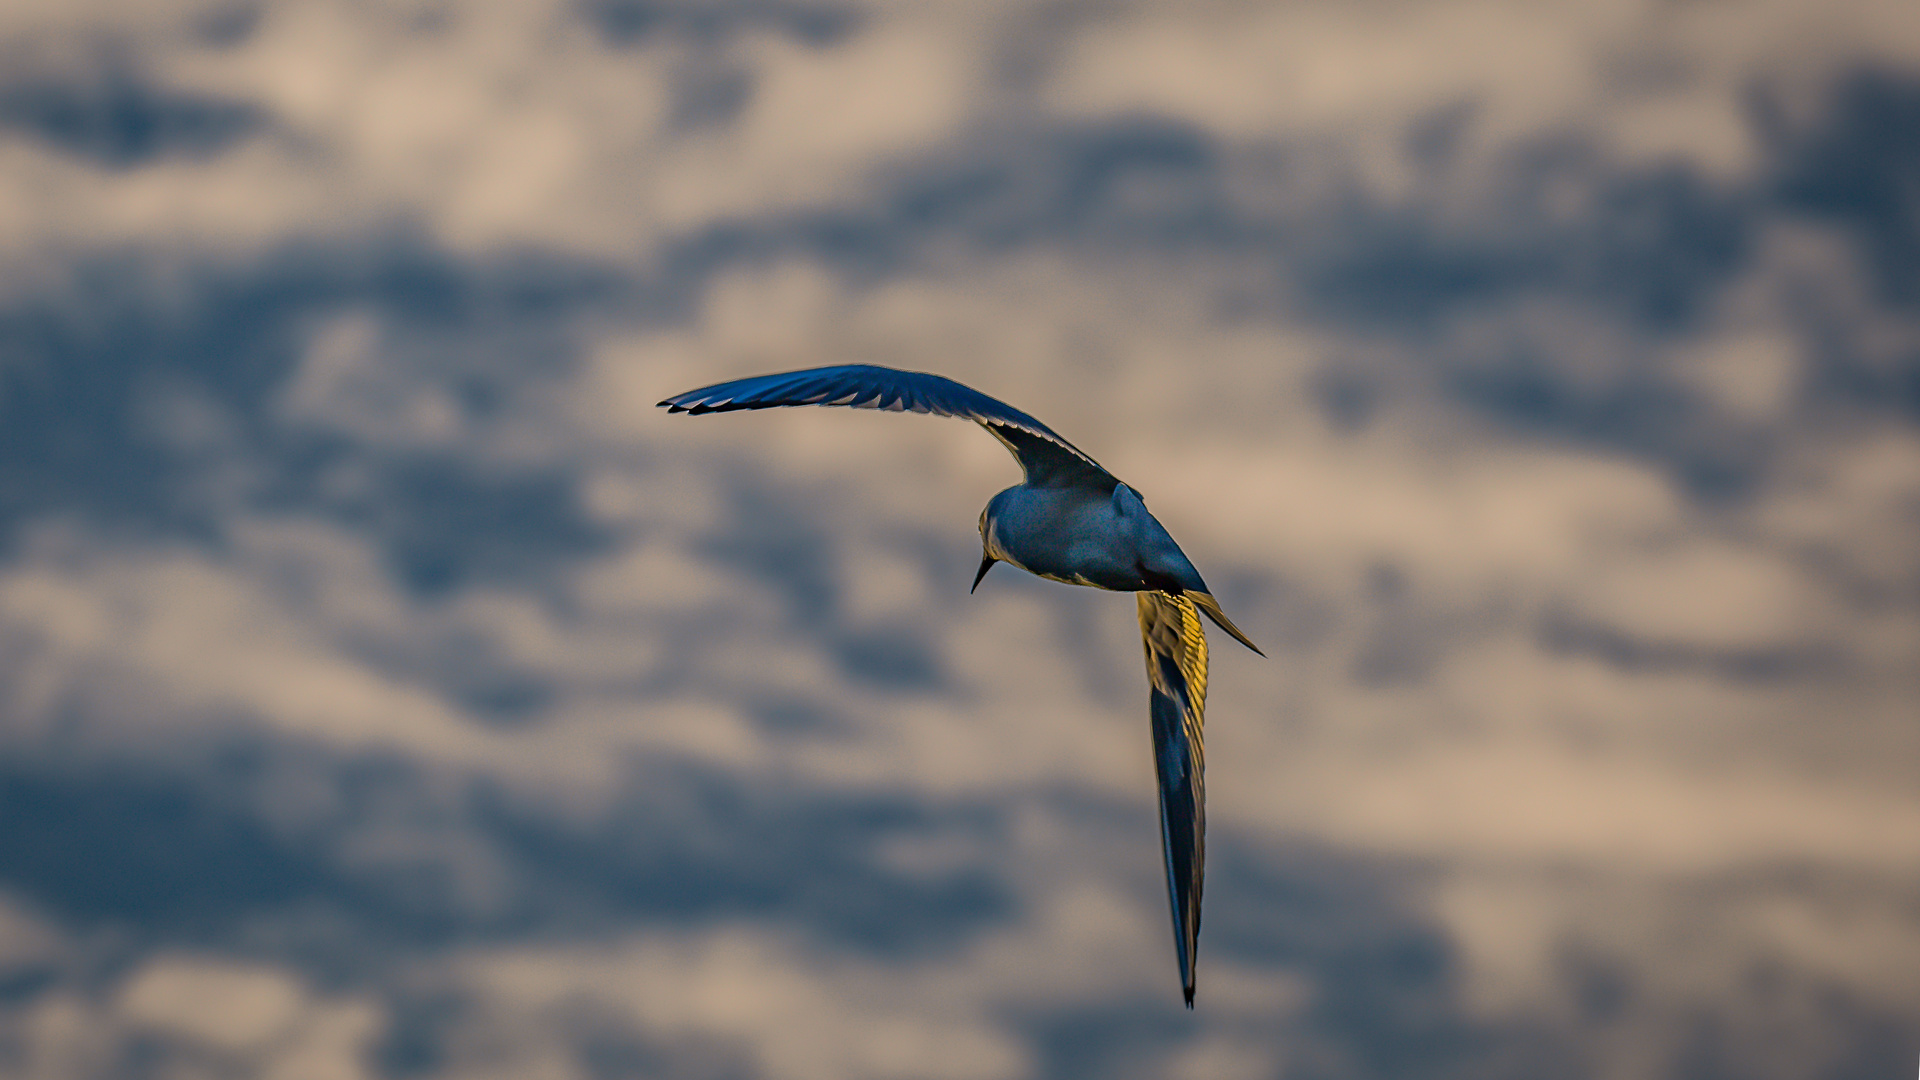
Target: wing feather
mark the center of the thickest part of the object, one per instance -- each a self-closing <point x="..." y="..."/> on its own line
<point x="1176" y="648"/>
<point x="1047" y="459"/>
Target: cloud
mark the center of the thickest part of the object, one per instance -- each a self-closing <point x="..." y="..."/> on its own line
<point x="390" y="689"/>
<point x="199" y="1014"/>
<point x="1650" y="83"/>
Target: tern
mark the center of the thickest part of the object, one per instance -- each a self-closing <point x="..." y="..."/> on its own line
<point x="1071" y="521"/>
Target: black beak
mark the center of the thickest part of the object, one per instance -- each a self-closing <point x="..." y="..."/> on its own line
<point x="986" y="564"/>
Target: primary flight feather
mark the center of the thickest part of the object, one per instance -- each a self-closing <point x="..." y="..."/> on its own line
<point x="1070" y="520"/>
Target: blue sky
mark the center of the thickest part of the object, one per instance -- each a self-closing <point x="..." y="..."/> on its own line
<point x="388" y="689"/>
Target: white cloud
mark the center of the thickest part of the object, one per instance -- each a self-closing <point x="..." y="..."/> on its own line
<point x="1714" y="596"/>
<point x="228" y="1007"/>
<point x="796" y="1015"/>
<point x="1651" y="82"/>
<point x="200" y="1016"/>
<point x="1525" y="661"/>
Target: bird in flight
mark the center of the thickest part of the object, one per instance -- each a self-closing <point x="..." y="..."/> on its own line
<point x="1075" y="522"/>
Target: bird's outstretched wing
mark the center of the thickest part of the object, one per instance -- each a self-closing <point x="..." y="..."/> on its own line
<point x="1176" y="645"/>
<point x="1047" y="459"/>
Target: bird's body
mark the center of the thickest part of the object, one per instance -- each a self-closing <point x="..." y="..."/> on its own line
<point x="1074" y="522"/>
<point x="1081" y="536"/>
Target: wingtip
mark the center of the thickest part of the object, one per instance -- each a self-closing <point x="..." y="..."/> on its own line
<point x="1208" y="604"/>
<point x="1189" y="991"/>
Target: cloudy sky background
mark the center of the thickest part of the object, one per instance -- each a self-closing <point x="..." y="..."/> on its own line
<point x="387" y="689"/>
